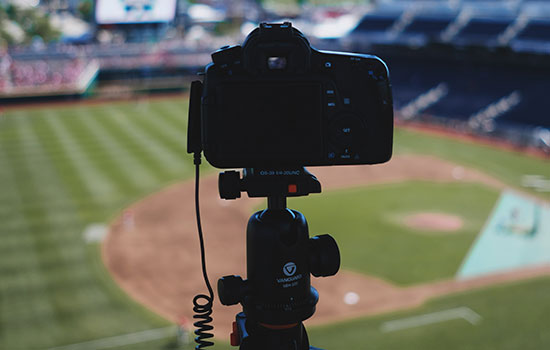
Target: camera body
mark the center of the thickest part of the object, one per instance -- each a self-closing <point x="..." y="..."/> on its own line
<point x="278" y="103"/>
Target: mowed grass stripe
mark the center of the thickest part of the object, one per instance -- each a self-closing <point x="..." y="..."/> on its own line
<point x="176" y="114"/>
<point x="170" y="137"/>
<point x="48" y="284"/>
<point x="69" y="173"/>
<point x="44" y="192"/>
<point x="10" y="142"/>
<point x="43" y="185"/>
<point x="161" y="120"/>
<point x="11" y="219"/>
<point x="102" y="157"/>
<point x="5" y="196"/>
<point x="46" y="188"/>
<point x="136" y="143"/>
<point x="12" y="162"/>
<point x="16" y="144"/>
<point x="167" y="157"/>
<point x="30" y="274"/>
<point x="44" y="178"/>
<point x="56" y="291"/>
<point x="45" y="226"/>
<point x="99" y="185"/>
<point x="120" y="158"/>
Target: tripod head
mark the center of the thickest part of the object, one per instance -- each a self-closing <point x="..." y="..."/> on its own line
<point x="268" y="183"/>
<point x="277" y="296"/>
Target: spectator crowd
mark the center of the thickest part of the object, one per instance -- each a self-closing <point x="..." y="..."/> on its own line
<point x="17" y="75"/>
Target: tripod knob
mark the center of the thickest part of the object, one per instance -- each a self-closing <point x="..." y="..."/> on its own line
<point x="324" y="256"/>
<point x="230" y="289"/>
<point x="229" y="184"/>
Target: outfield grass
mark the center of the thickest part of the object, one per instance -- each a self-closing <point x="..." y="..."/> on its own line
<point x="60" y="170"/>
<point x="367" y="224"/>
<point x="63" y="168"/>
<point x="501" y="164"/>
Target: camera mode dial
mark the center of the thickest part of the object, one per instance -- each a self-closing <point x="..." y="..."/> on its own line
<point x="227" y="56"/>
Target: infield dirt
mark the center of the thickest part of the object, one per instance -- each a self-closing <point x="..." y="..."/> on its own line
<point x="152" y="249"/>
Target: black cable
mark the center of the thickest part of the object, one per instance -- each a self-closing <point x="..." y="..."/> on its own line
<point x="203" y="311"/>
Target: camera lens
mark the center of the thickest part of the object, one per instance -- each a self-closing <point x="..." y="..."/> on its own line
<point x="276" y="63"/>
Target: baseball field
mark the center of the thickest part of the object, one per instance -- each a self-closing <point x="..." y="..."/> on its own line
<point x="95" y="199"/>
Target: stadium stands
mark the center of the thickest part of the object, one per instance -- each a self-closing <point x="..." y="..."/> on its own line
<point x="478" y="87"/>
<point x="535" y="37"/>
<point x="432" y="26"/>
<point x="45" y="76"/>
<point x="59" y="69"/>
<point x="472" y="87"/>
<point x="513" y="24"/>
<point x="482" y="31"/>
<point x="375" y="23"/>
<point x="476" y="66"/>
<point x="538" y="30"/>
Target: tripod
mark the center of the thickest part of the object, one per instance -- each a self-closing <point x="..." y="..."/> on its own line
<point x="277" y="296"/>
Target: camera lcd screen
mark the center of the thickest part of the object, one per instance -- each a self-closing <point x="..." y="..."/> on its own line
<point x="280" y="120"/>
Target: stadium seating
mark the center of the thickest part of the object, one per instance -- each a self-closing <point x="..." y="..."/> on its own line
<point x="432" y="26"/>
<point x="482" y="31"/>
<point x="375" y="23"/>
<point x="28" y="75"/>
<point x="472" y="88"/>
<point x="538" y="30"/>
<point x="477" y="23"/>
<point x="509" y="94"/>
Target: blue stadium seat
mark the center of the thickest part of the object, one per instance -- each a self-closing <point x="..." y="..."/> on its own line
<point x="429" y="25"/>
<point x="375" y="23"/>
<point x="536" y="30"/>
<point x="473" y="88"/>
<point x="482" y="30"/>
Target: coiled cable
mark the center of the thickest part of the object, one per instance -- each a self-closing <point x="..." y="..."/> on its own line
<point x="202" y="310"/>
<point x="203" y="327"/>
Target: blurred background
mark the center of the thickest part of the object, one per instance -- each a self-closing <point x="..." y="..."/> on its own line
<point x="93" y="117"/>
<point x="76" y="49"/>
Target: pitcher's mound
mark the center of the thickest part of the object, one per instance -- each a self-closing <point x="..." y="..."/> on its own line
<point x="434" y="222"/>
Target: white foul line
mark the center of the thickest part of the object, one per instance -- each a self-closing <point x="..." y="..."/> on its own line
<point x="440" y="316"/>
<point x="121" y="340"/>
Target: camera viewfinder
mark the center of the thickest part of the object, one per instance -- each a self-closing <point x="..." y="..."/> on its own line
<point x="276" y="63"/>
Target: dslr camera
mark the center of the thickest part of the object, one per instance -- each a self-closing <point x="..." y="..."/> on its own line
<point x="276" y="102"/>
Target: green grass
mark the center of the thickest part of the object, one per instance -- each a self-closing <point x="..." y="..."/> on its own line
<point x="501" y="164"/>
<point x="60" y="170"/>
<point x="63" y="168"/>
<point x="514" y="316"/>
<point x="366" y="222"/>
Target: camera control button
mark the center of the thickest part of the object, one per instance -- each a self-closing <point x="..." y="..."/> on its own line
<point x="226" y="56"/>
<point x="344" y="129"/>
<point x="346" y="154"/>
<point x="327" y="64"/>
<point x="329" y="90"/>
<point x="292" y="188"/>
